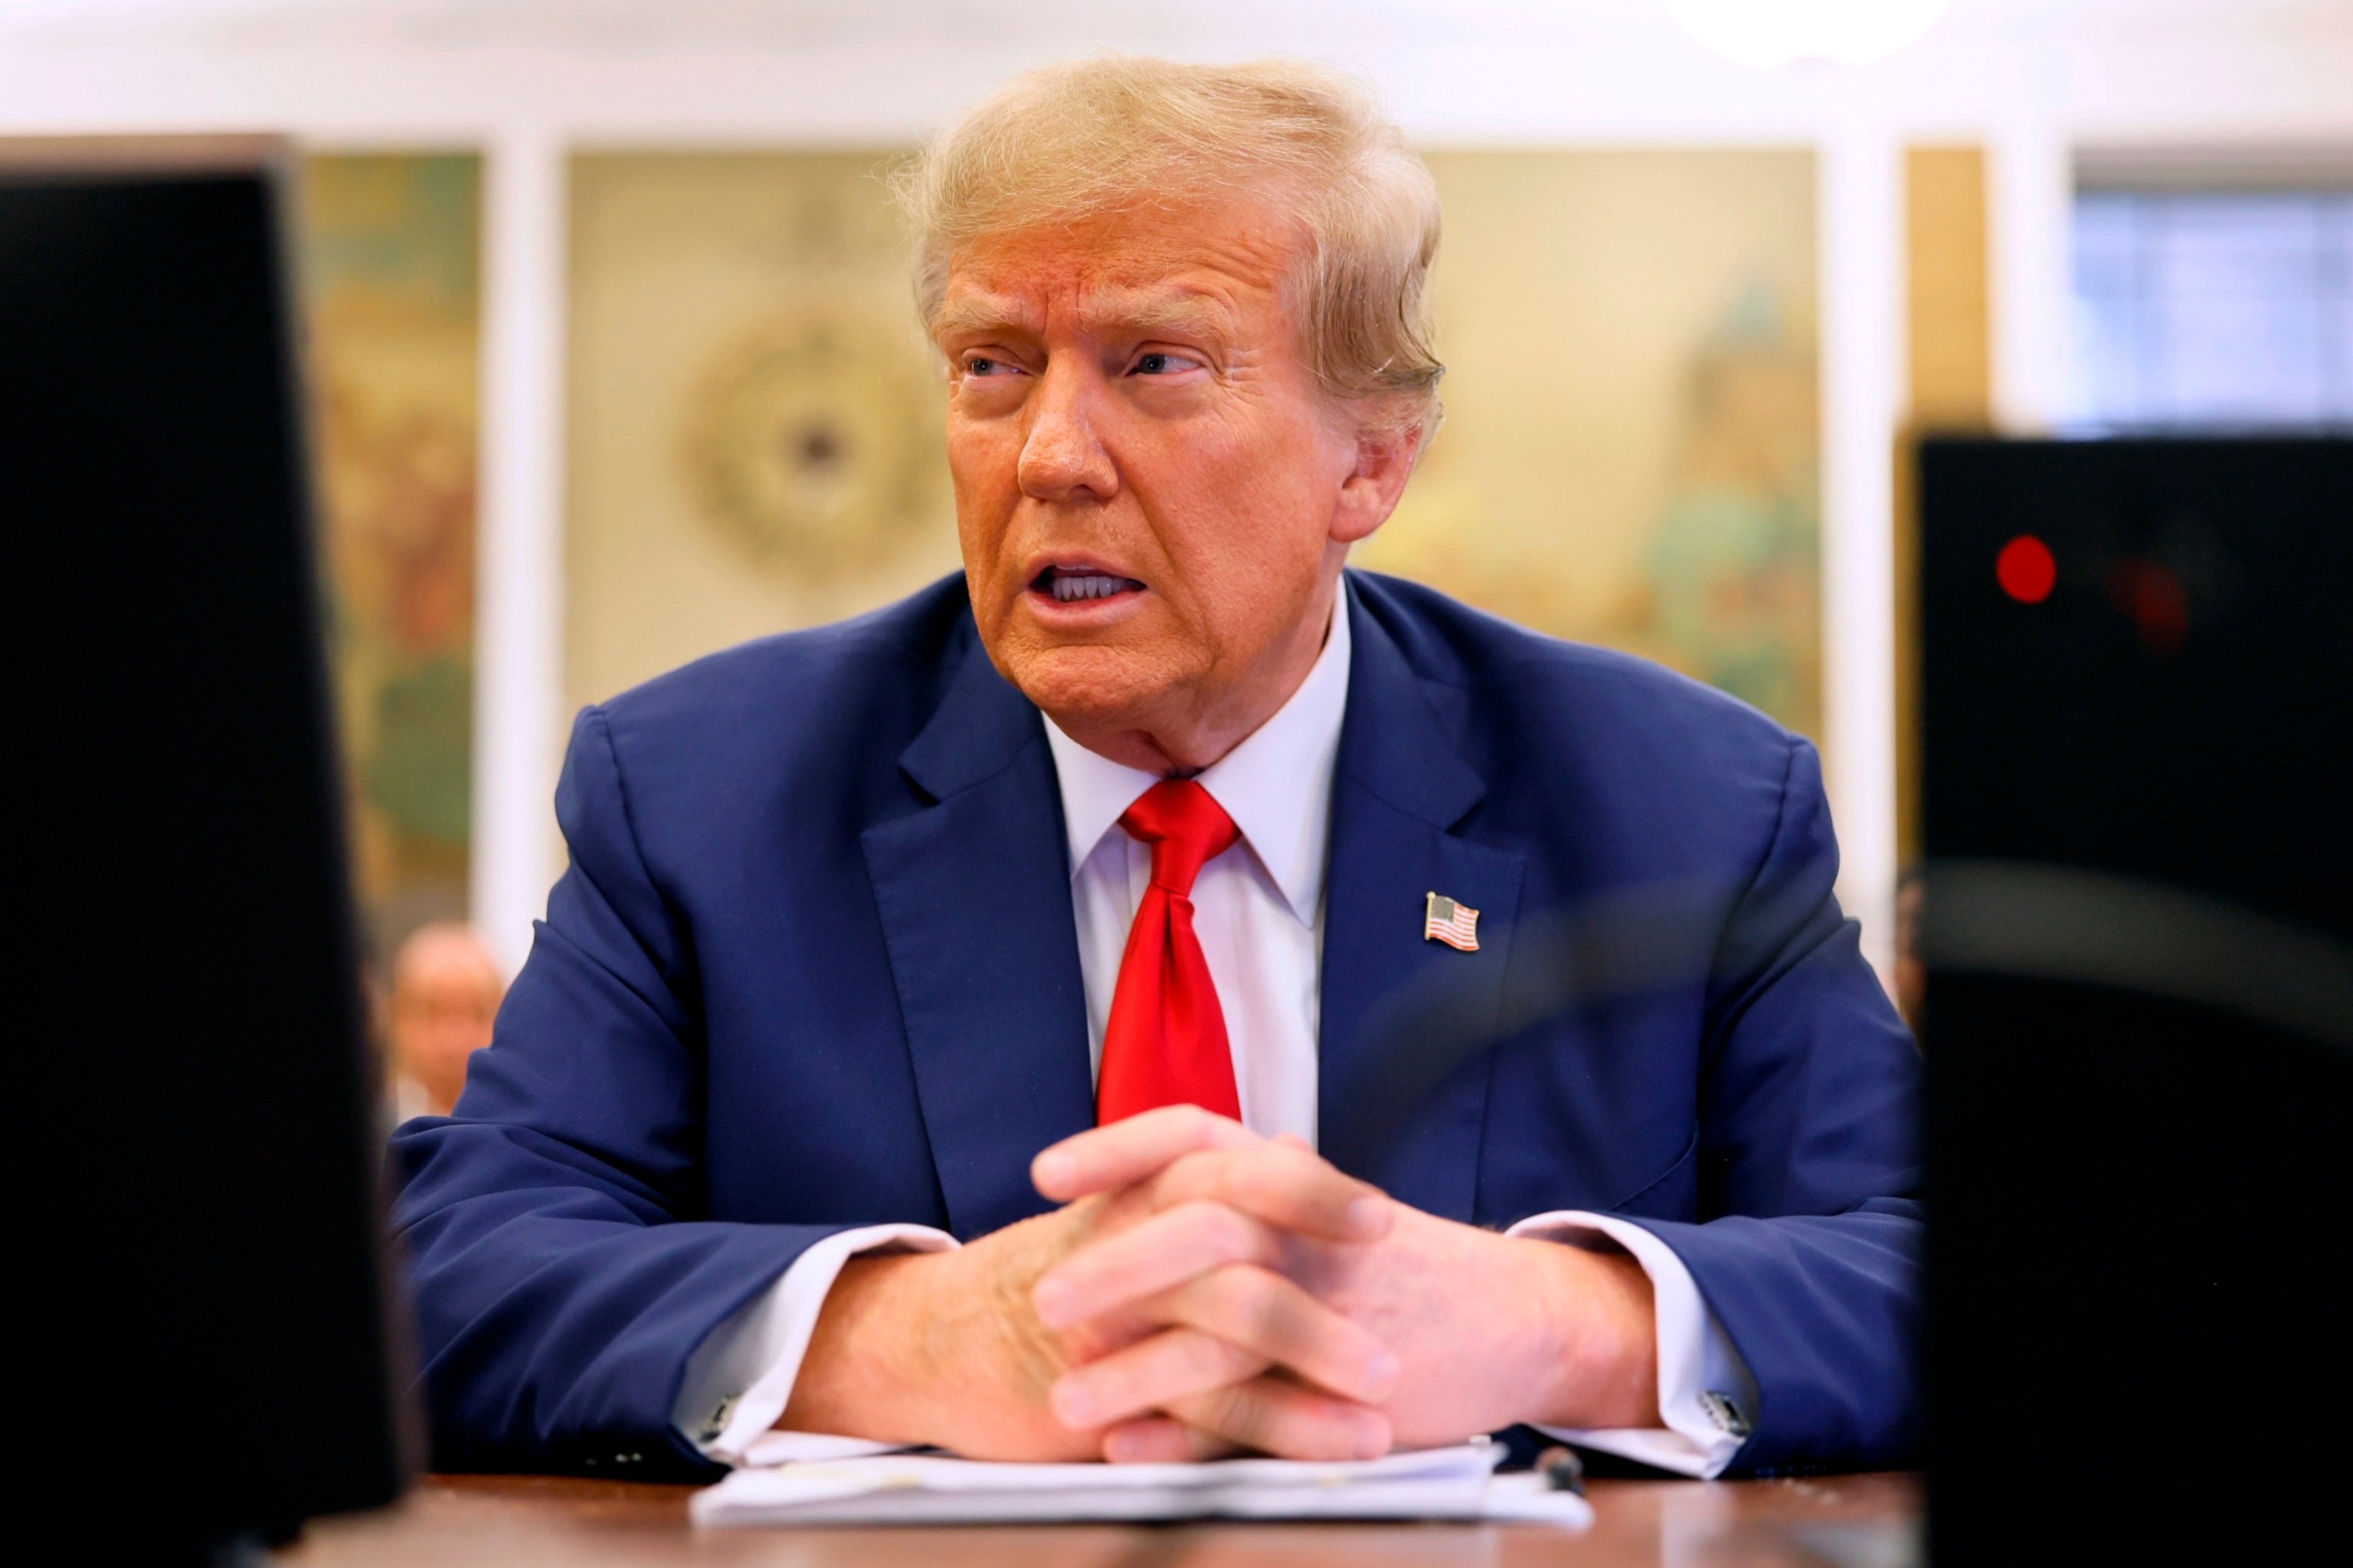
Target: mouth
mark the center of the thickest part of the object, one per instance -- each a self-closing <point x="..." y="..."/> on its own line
<point x="1083" y="585"/>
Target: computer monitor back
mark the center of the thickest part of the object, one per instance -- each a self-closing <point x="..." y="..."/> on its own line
<point x="198" y="1116"/>
<point x="2137" y="684"/>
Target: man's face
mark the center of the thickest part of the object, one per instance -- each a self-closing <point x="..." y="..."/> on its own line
<point x="445" y="1003"/>
<point x="1153" y="494"/>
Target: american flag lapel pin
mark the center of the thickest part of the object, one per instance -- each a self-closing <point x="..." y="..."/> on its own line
<point x="1456" y="925"/>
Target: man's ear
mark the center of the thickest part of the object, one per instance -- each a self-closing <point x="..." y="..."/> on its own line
<point x="1384" y="459"/>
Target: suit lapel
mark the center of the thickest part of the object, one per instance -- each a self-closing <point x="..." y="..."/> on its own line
<point x="975" y="904"/>
<point x="1399" y="788"/>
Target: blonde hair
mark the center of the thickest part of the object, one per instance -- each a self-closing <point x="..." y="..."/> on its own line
<point x="1072" y="140"/>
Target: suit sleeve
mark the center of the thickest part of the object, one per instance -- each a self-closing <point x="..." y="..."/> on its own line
<point x="563" y="1272"/>
<point x="1807" y="1245"/>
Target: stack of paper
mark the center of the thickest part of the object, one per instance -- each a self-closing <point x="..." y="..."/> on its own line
<point x="1457" y="1483"/>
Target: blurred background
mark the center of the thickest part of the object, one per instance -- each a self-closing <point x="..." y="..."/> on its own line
<point x="613" y="362"/>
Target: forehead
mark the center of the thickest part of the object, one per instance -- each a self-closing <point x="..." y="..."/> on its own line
<point x="437" y="965"/>
<point x="1218" y="263"/>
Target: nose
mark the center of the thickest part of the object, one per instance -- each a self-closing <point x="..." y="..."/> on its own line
<point x="1062" y="458"/>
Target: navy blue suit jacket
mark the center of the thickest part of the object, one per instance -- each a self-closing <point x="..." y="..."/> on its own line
<point x="813" y="965"/>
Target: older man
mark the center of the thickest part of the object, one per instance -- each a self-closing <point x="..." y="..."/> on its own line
<point x="1054" y="913"/>
<point x="446" y="989"/>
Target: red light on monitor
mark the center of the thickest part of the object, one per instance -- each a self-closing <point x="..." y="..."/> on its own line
<point x="2025" y="569"/>
<point x="2153" y="596"/>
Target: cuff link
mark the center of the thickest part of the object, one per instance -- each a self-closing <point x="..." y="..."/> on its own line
<point x="1562" y="1470"/>
<point x="1726" y="1411"/>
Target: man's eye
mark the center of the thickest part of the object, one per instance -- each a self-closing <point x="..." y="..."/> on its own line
<point x="979" y="364"/>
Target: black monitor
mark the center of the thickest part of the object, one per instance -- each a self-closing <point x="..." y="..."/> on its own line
<point x="2136" y="705"/>
<point x="213" y="1359"/>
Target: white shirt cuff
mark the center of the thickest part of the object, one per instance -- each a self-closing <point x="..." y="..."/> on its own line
<point x="740" y="1377"/>
<point x="1706" y="1396"/>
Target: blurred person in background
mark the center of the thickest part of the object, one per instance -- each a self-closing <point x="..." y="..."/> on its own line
<point x="446" y="992"/>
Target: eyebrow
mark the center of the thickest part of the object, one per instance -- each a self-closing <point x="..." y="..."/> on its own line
<point x="1127" y="313"/>
<point x="986" y="314"/>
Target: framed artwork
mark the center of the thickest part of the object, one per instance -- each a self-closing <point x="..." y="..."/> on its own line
<point x="389" y="247"/>
<point x="1630" y="451"/>
<point x="756" y="421"/>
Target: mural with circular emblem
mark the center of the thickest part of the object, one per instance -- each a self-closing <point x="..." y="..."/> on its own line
<point x="811" y="443"/>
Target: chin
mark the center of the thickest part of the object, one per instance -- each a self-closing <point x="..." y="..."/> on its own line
<point x="1089" y="684"/>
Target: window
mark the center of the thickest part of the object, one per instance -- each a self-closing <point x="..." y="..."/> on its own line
<point x="2215" y="308"/>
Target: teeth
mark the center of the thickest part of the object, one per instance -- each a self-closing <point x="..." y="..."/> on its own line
<point x="1091" y="585"/>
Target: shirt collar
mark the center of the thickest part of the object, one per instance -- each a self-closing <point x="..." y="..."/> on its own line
<point x="1276" y="785"/>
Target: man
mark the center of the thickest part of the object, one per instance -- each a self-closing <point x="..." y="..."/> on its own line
<point x="446" y="992"/>
<point x="1067" y="909"/>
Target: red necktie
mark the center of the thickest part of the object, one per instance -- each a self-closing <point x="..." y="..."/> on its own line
<point x="1166" y="1044"/>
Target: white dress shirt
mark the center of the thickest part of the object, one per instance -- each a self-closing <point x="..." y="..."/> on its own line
<point x="1258" y="909"/>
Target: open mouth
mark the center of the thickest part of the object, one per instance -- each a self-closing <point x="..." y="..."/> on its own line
<point x="1068" y="585"/>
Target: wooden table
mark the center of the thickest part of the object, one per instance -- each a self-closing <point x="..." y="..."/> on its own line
<point x="522" y="1521"/>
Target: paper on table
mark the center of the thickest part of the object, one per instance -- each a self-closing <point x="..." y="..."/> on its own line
<point x="1456" y="1483"/>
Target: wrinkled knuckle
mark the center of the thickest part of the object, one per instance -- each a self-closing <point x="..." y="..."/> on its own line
<point x="1240" y="1415"/>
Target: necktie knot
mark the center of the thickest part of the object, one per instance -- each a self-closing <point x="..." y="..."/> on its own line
<point x="1185" y="828"/>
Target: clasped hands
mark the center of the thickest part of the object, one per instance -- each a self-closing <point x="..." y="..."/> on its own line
<point x="1204" y="1291"/>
